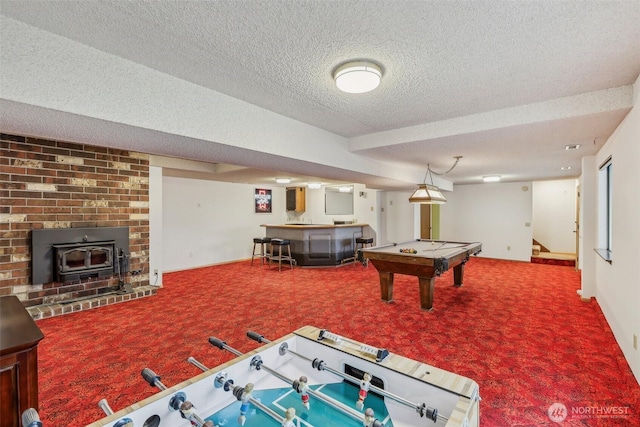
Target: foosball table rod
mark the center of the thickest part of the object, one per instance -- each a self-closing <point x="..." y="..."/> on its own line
<point x="178" y="402"/>
<point x="422" y="409"/>
<point x="124" y="422"/>
<point x="256" y="363"/>
<point x="222" y="379"/>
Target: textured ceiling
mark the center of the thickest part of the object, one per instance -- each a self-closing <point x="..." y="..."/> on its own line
<point x="505" y="84"/>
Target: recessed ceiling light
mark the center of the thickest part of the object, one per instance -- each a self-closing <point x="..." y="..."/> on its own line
<point x="283" y="180"/>
<point x="491" y="178"/>
<point x="314" y="185"/>
<point x="357" y="77"/>
<point x="344" y="189"/>
<point x="572" y="147"/>
<point x="565" y="168"/>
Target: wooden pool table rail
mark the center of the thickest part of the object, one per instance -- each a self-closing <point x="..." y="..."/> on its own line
<point x="426" y="268"/>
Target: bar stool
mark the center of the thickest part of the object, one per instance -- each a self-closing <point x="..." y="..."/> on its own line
<point x="363" y="242"/>
<point x="262" y="241"/>
<point x="279" y="243"/>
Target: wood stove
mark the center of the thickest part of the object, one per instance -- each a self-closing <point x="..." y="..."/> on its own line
<point x="70" y="254"/>
<point x="78" y="260"/>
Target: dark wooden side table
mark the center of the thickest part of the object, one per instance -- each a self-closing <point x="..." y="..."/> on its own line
<point x="19" y="338"/>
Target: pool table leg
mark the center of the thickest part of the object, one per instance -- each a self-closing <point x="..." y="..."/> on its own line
<point x="426" y="292"/>
<point x="386" y="286"/>
<point x="458" y="274"/>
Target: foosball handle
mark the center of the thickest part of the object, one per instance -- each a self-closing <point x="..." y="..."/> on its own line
<point x="217" y="342"/>
<point x="30" y="418"/>
<point x="256" y="337"/>
<point x="151" y="377"/>
<point x="222" y="345"/>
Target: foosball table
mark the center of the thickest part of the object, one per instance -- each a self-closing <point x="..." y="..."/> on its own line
<point x="309" y="378"/>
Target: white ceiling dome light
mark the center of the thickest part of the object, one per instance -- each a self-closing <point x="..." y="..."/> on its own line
<point x="357" y="76"/>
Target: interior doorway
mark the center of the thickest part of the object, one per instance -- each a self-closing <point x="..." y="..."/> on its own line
<point x="555" y="222"/>
<point x="426" y="228"/>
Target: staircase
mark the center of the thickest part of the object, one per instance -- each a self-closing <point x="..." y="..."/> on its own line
<point x="542" y="255"/>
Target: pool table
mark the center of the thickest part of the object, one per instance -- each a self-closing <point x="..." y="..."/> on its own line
<point x="425" y="259"/>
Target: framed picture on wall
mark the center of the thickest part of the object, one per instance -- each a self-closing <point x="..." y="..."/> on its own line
<point x="262" y="200"/>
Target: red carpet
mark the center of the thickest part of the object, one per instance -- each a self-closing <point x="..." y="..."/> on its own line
<point x="518" y="329"/>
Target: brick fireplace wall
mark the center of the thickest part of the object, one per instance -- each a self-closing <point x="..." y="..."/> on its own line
<point x="57" y="184"/>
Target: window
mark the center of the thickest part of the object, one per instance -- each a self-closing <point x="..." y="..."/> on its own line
<point x="605" y="217"/>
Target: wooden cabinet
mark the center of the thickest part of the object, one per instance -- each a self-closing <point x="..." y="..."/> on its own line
<point x="19" y="338"/>
<point x="296" y="199"/>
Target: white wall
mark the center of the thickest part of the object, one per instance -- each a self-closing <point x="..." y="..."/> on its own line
<point x="397" y="217"/>
<point x="155" y="225"/>
<point x="210" y="222"/>
<point x="493" y="214"/>
<point x="588" y="225"/>
<point x="554" y="214"/>
<point x="617" y="284"/>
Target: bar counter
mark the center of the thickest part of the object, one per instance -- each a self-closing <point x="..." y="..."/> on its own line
<point x="318" y="244"/>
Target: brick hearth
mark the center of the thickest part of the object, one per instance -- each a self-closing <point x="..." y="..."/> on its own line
<point x="50" y="310"/>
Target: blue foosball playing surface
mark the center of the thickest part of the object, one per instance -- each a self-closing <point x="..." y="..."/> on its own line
<point x="318" y="415"/>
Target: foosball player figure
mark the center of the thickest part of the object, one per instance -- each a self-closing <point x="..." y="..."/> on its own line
<point x="244" y="406"/>
<point x="364" y="389"/>
<point x="188" y="412"/>
<point x="300" y="386"/>
<point x="370" y="419"/>
<point x="289" y="415"/>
